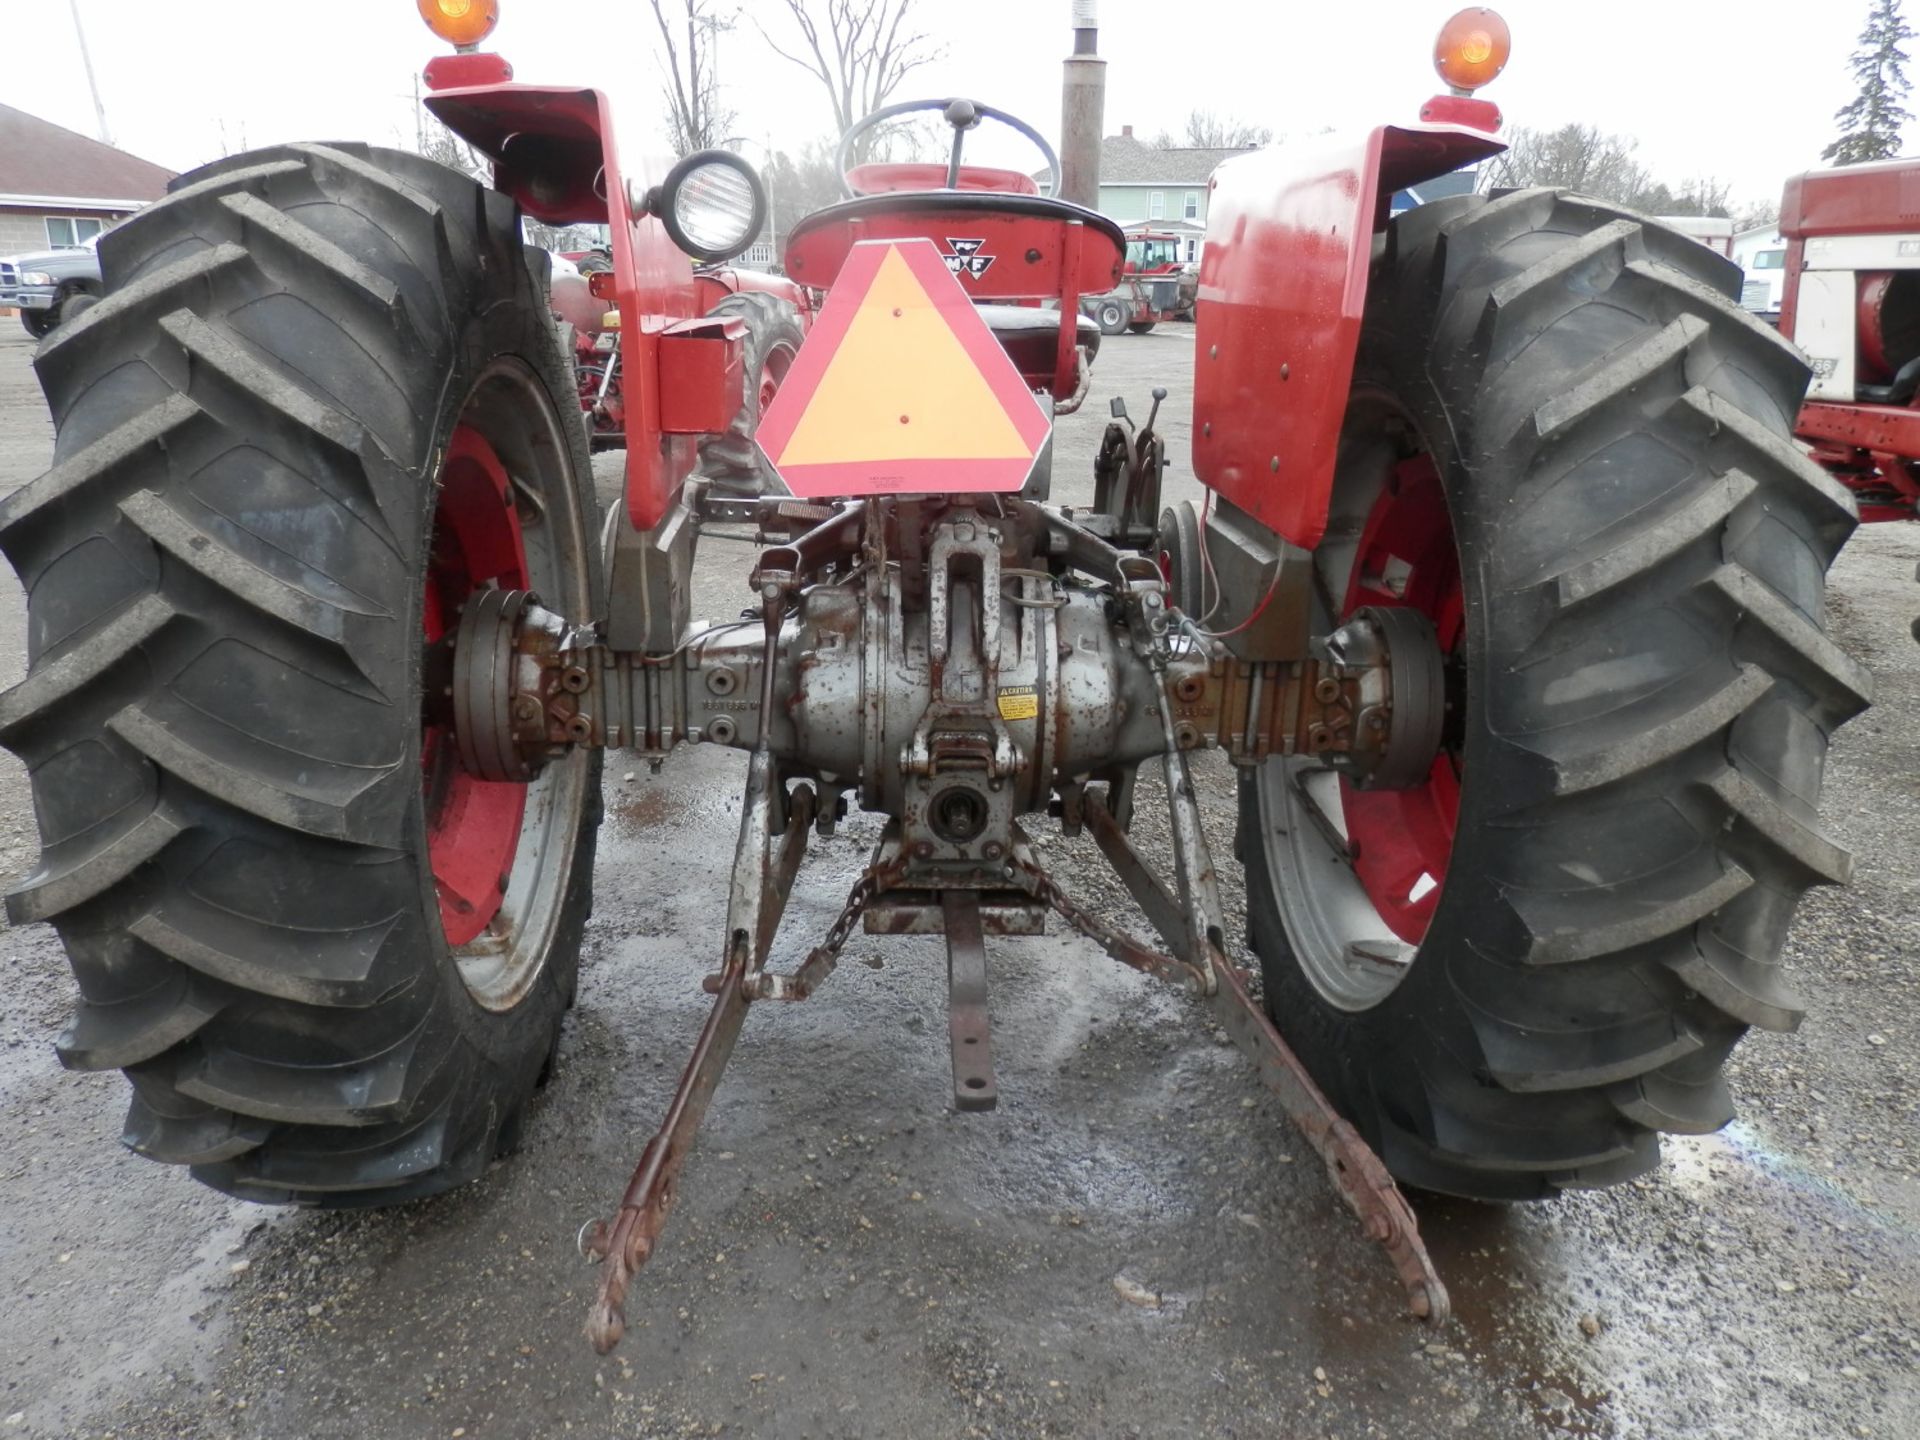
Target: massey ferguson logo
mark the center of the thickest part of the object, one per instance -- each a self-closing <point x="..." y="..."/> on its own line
<point x="966" y="258"/>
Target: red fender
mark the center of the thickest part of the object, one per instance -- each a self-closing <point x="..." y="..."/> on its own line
<point x="553" y="151"/>
<point x="713" y="285"/>
<point x="1283" y="283"/>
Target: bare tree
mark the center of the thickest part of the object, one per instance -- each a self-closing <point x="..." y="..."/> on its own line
<point x="1574" y="157"/>
<point x="859" y="51"/>
<point x="799" y="183"/>
<point x="1583" y="158"/>
<point x="558" y="237"/>
<point x="1208" y="131"/>
<point x="437" y="142"/>
<point x="1759" y="213"/>
<point x="696" y="120"/>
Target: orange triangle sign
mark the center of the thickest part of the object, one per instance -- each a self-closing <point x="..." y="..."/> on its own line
<point x="901" y="388"/>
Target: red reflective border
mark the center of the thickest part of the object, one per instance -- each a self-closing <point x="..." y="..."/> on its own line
<point x="895" y="477"/>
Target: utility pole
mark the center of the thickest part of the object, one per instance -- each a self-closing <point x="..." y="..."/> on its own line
<point x="1083" y="108"/>
<point x="86" y="60"/>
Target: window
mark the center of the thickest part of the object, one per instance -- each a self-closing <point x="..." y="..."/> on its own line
<point x="1152" y="252"/>
<point x="1770" y="260"/>
<point x="67" y="232"/>
<point x="1156" y="204"/>
<point x="1190" y="207"/>
<point x="1192" y="247"/>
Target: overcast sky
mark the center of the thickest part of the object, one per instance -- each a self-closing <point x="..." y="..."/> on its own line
<point x="1742" y="91"/>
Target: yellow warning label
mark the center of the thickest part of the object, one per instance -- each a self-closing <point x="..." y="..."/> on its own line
<point x="1019" y="702"/>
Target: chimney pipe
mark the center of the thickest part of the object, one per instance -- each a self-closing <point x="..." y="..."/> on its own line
<point x="1083" y="104"/>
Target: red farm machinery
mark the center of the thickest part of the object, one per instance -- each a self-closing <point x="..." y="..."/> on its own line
<point x="1504" y="607"/>
<point x="1155" y="285"/>
<point x="1852" y="303"/>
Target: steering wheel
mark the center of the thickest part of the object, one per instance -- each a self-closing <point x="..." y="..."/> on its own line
<point x="962" y="115"/>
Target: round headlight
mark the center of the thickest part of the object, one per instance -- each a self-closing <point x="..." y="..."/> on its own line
<point x="712" y="204"/>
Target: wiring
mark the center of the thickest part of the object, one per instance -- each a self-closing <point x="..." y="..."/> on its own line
<point x="1207" y="571"/>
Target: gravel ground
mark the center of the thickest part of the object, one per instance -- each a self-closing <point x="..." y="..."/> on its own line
<point x="851" y="1258"/>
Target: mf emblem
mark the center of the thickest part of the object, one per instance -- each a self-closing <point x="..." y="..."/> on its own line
<point x="966" y="260"/>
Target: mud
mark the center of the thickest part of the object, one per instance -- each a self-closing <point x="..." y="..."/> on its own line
<point x="852" y="1258"/>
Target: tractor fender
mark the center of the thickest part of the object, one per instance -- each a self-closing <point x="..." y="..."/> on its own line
<point x="1290" y="239"/>
<point x="553" y="151"/>
<point x="714" y="284"/>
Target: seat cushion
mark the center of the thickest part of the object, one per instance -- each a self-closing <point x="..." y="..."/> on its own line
<point x="1031" y="336"/>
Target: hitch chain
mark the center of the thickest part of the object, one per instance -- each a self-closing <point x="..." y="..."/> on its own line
<point x="1117" y="943"/>
<point x="820" y="961"/>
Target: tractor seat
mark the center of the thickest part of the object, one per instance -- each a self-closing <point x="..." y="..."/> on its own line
<point x="1031" y="338"/>
<point x="1002" y="247"/>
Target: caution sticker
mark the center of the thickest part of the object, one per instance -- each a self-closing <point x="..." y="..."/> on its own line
<point x="1019" y="702"/>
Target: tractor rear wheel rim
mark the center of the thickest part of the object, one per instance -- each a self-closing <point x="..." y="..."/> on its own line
<point x="1362" y="872"/>
<point x="505" y="518"/>
<point x="774" y="373"/>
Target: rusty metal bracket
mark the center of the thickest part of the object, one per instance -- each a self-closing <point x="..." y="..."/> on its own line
<point x="627" y="1244"/>
<point x="762" y="879"/>
<point x="969" y="1030"/>
<point x="1357" y="1173"/>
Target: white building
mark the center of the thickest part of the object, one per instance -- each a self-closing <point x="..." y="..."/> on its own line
<point x="1761" y="254"/>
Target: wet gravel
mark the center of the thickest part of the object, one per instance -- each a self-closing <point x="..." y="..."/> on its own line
<point x="1133" y="1244"/>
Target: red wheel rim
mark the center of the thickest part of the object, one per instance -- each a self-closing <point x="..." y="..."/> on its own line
<point x="473" y="825"/>
<point x="772" y="373"/>
<point x="1401" y="840"/>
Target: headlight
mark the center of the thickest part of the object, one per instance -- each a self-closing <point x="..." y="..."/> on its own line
<point x="604" y="344"/>
<point x="37" y="277"/>
<point x="712" y="204"/>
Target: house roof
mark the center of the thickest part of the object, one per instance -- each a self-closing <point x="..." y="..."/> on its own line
<point x="1125" y="160"/>
<point x="43" y="161"/>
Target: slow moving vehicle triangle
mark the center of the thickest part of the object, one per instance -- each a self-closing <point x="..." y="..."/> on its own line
<point x="901" y="388"/>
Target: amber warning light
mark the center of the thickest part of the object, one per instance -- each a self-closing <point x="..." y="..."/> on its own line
<point x="464" y="23"/>
<point x="1472" y="49"/>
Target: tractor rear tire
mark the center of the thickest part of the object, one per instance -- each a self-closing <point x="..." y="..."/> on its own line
<point x="732" y="460"/>
<point x="1110" y="316"/>
<point x="271" y="491"/>
<point x="1140" y="327"/>
<point x="1643" y="691"/>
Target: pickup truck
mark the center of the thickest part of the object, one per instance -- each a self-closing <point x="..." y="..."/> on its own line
<point x="42" y="286"/>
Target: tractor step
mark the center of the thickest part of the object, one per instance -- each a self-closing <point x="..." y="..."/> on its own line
<point x="968" y="1026"/>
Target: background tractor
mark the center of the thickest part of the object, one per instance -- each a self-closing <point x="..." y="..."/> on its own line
<point x="1852" y="302"/>
<point x="775" y="311"/>
<point x="1155" y="285"/>
<point x="1505" y="606"/>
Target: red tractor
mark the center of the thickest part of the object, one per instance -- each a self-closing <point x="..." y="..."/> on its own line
<point x="775" y="311"/>
<point x="1852" y="303"/>
<point x="1155" y="285"/>
<point x="1504" y="607"/>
